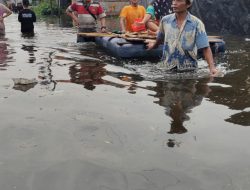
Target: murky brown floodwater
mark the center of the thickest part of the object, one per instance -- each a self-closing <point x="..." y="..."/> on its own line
<point x="93" y="122"/>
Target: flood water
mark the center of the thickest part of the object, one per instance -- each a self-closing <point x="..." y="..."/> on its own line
<point x="95" y="122"/>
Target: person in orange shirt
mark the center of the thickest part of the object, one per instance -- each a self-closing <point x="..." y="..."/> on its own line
<point x="129" y="13"/>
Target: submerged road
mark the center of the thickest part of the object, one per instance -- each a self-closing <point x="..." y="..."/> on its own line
<point x="93" y="122"/>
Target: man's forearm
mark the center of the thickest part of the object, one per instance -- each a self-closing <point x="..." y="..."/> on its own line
<point x="210" y="60"/>
<point x="146" y="18"/>
<point x="209" y="57"/>
<point x="72" y="15"/>
<point x="122" y="24"/>
<point x="103" y="23"/>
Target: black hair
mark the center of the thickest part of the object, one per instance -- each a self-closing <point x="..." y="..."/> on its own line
<point x="26" y="3"/>
<point x="188" y="2"/>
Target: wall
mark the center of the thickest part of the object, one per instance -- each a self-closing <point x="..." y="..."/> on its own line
<point x="113" y="7"/>
<point x="224" y="16"/>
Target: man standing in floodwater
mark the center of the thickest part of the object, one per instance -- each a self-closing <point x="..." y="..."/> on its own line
<point x="27" y="17"/>
<point x="183" y="35"/>
<point x="85" y="14"/>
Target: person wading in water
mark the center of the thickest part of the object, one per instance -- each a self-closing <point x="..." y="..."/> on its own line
<point x="183" y="34"/>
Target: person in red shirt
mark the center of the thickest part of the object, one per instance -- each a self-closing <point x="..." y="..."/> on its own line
<point x="88" y="12"/>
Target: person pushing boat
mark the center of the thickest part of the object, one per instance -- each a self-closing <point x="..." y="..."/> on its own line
<point x="183" y="34"/>
<point x="88" y="12"/>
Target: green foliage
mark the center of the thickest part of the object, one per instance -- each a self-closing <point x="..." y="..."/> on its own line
<point x="46" y="7"/>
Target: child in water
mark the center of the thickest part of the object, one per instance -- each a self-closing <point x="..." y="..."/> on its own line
<point x="27" y="17"/>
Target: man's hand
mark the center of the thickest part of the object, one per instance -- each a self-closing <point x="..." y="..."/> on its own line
<point x="214" y="71"/>
<point x="209" y="58"/>
<point x="76" y="22"/>
<point x="103" y="29"/>
<point x="150" y="44"/>
<point x="141" y="23"/>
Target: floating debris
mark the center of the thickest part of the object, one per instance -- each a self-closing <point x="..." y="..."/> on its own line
<point x="218" y="84"/>
<point x="24" y="84"/>
<point x="248" y="80"/>
<point x="172" y="143"/>
<point x="24" y="81"/>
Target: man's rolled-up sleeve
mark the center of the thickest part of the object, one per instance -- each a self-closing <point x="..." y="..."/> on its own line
<point x="201" y="37"/>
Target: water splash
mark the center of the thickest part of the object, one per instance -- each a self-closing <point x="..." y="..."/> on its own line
<point x="151" y="71"/>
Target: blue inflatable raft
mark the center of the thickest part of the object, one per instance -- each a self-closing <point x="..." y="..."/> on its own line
<point x="122" y="48"/>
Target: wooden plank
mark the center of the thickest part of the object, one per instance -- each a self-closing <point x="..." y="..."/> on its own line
<point x="218" y="37"/>
<point x="214" y="40"/>
<point x="98" y="34"/>
<point x="134" y="39"/>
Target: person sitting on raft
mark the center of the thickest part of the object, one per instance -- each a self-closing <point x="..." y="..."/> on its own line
<point x="129" y="14"/>
<point x="154" y="12"/>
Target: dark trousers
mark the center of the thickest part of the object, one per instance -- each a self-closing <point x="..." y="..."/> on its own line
<point x="84" y="39"/>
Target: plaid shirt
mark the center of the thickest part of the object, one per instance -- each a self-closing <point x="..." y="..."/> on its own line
<point x="181" y="45"/>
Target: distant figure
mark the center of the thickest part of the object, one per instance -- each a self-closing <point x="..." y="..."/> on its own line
<point x="4" y="12"/>
<point x="27" y="17"/>
<point x="88" y="12"/>
<point x="19" y="6"/>
<point x="129" y="14"/>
